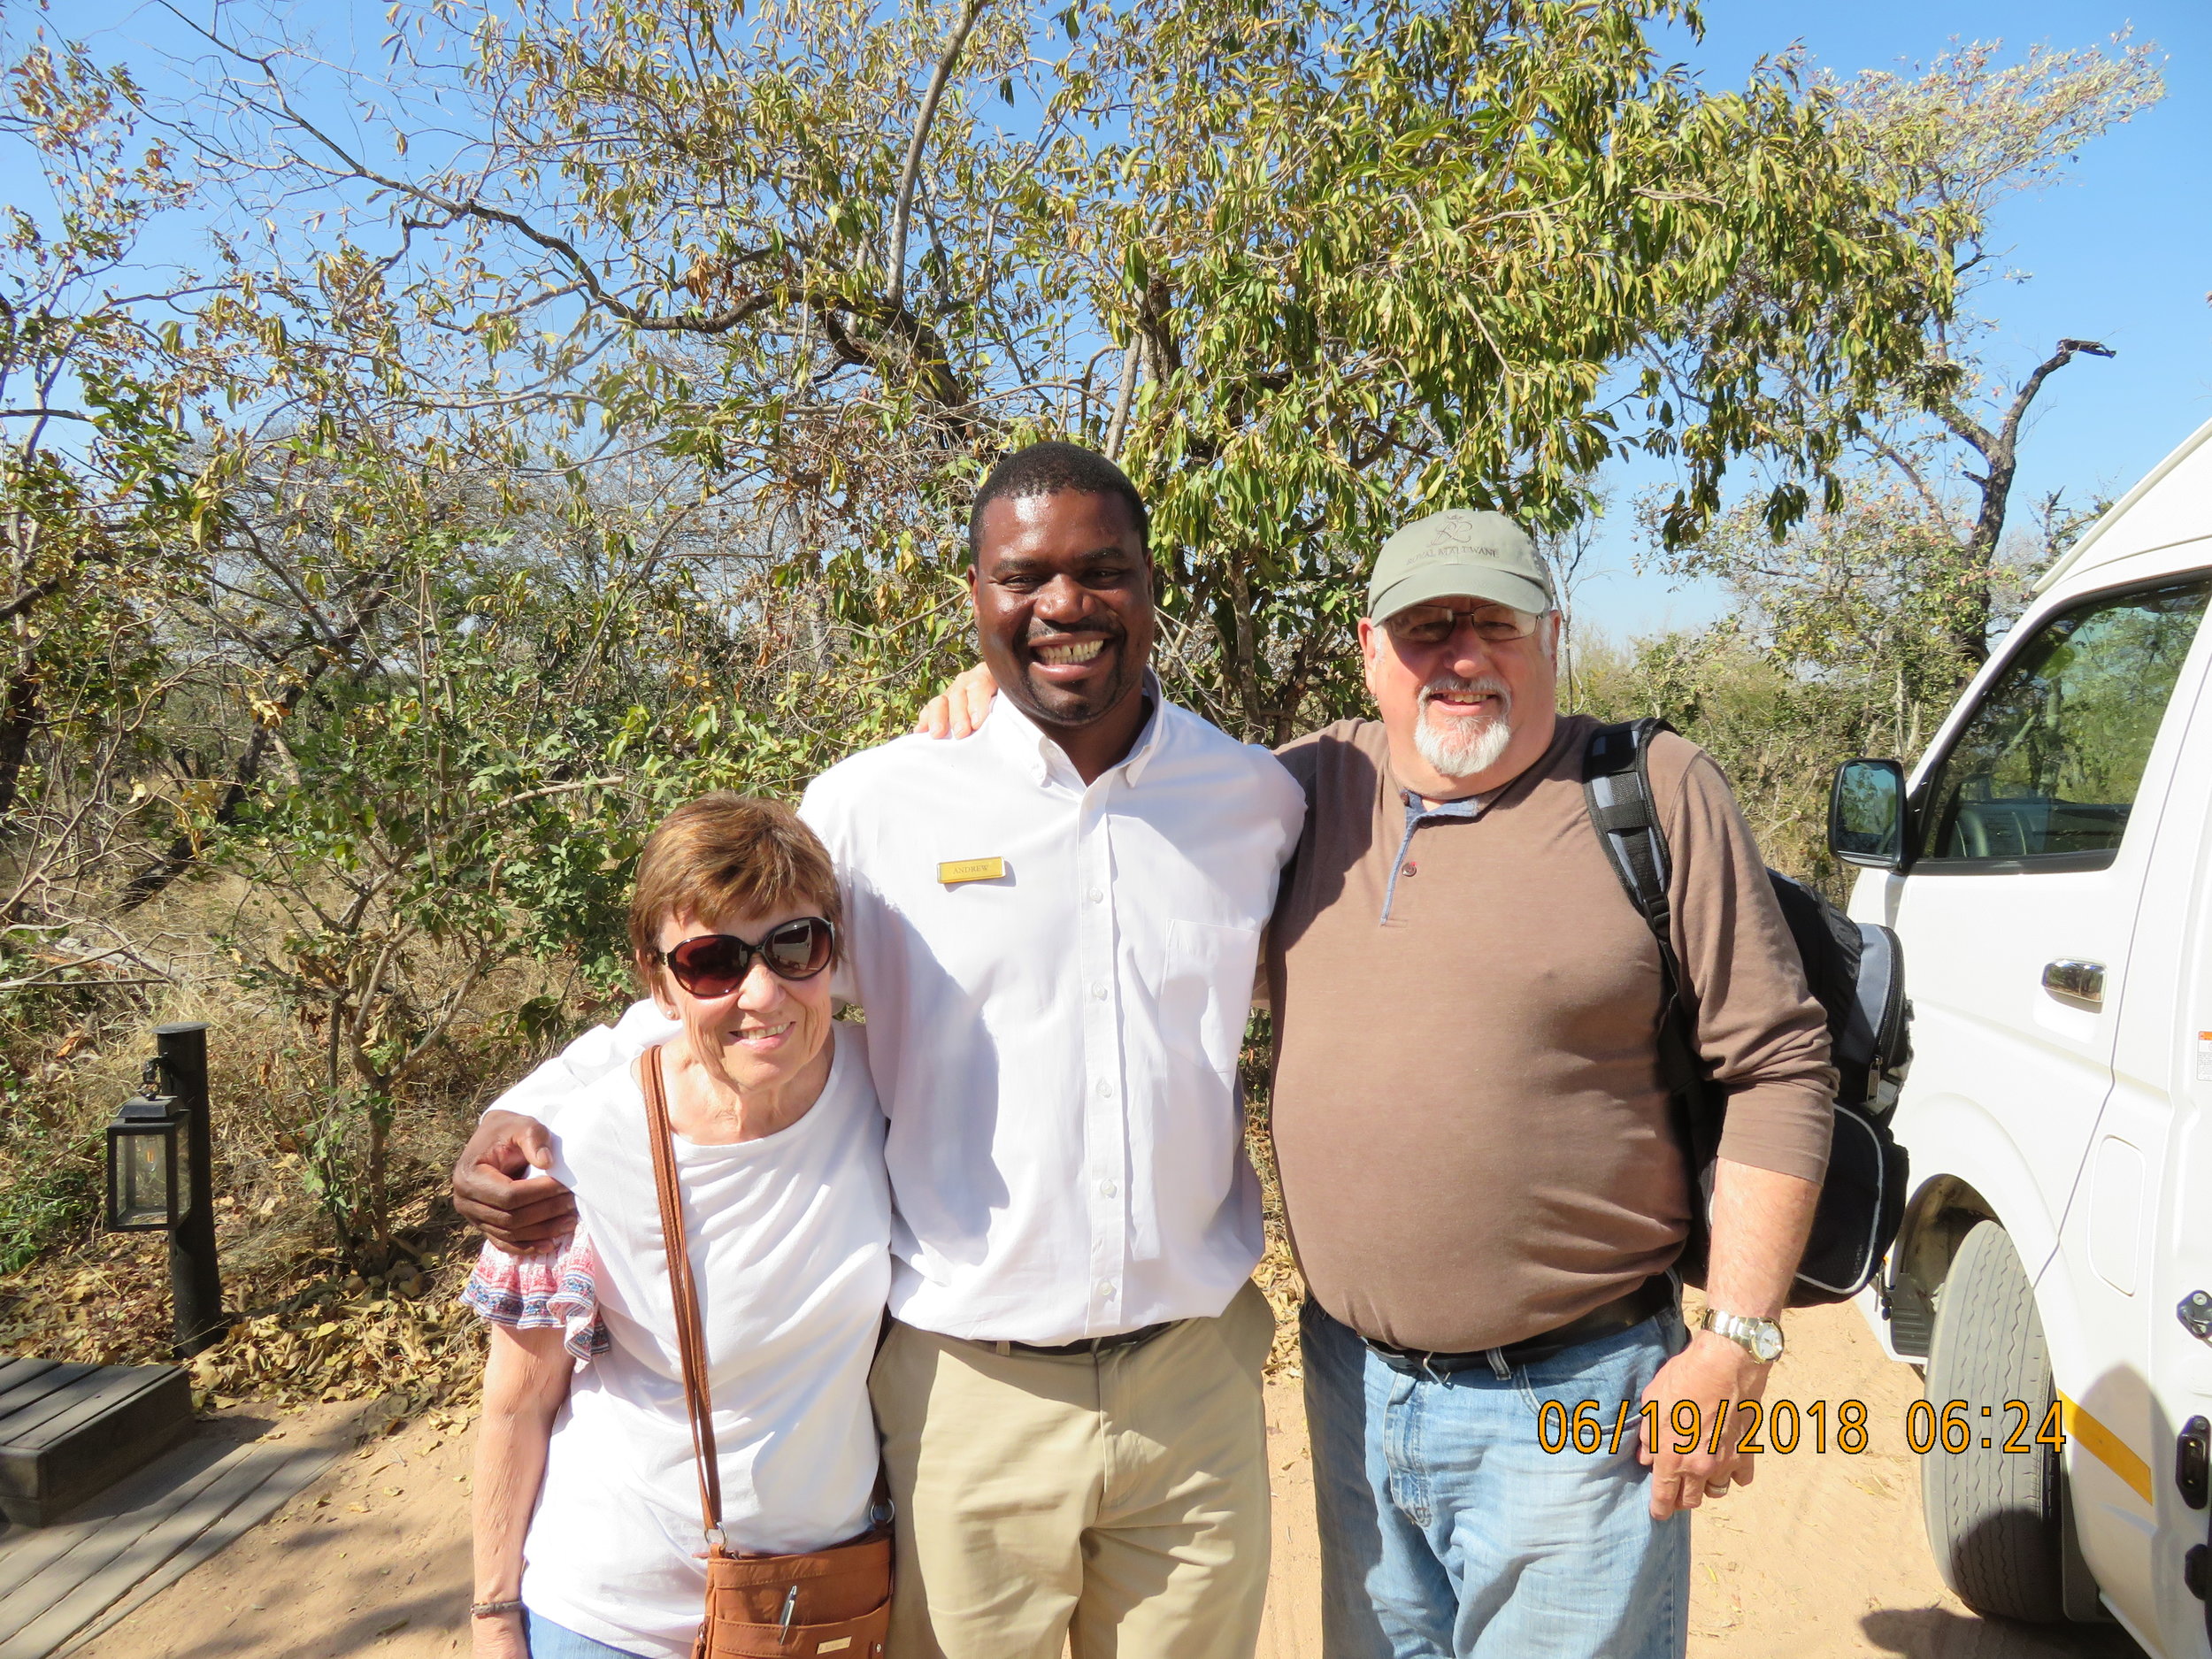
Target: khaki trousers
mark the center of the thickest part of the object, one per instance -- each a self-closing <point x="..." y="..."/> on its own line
<point x="1117" y="1501"/>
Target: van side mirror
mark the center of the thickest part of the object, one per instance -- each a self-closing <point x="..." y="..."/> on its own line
<point x="1866" y="814"/>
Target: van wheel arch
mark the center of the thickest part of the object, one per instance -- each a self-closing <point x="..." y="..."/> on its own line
<point x="1941" y="1214"/>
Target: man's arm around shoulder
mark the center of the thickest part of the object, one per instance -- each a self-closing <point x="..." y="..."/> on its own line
<point x="497" y="1183"/>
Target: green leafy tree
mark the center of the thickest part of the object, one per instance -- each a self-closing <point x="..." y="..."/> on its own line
<point x="1306" y="267"/>
<point x="98" y="485"/>
<point x="1384" y="258"/>
<point x="1937" y="456"/>
<point x="450" y="809"/>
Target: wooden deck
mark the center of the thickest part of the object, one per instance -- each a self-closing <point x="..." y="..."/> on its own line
<point x="68" y="1431"/>
<point x="62" y="1583"/>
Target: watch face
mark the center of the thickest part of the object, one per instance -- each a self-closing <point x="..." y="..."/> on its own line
<point x="1761" y="1338"/>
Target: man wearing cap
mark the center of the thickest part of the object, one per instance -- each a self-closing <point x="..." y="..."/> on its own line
<point x="1478" y="1165"/>
<point x="1481" y="1180"/>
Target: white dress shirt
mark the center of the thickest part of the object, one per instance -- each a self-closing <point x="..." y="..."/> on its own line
<point x="1056" y="1047"/>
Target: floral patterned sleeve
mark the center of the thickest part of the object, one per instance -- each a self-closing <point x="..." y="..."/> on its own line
<point x="553" y="1289"/>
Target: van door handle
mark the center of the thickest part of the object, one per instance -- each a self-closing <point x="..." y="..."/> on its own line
<point x="2072" y="980"/>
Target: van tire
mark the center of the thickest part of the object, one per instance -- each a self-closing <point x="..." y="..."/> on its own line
<point x="1993" y="1516"/>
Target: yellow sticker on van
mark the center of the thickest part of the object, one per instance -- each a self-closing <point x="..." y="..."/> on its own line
<point x="2108" y="1448"/>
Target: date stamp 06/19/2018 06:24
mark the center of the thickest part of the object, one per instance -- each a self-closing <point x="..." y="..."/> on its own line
<point x="1784" y="1426"/>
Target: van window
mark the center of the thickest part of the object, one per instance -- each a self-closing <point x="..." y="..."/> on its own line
<point x="2044" y="774"/>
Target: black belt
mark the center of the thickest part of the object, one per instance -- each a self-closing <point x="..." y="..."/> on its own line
<point x="1621" y="1314"/>
<point x="1087" y="1345"/>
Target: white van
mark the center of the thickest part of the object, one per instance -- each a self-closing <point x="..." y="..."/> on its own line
<point x="2049" y="866"/>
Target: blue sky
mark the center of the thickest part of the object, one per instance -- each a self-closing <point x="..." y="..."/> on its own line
<point x="2121" y="252"/>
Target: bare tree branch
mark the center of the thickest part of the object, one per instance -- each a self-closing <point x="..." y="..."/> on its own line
<point x="901" y="212"/>
<point x="1118" y="427"/>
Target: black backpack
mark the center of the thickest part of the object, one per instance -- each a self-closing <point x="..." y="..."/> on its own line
<point x="1855" y="969"/>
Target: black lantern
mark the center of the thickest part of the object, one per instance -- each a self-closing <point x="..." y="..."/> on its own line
<point x="159" y="1150"/>
<point x="149" y="1164"/>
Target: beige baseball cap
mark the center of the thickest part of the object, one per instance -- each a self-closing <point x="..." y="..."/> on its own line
<point x="1483" y="554"/>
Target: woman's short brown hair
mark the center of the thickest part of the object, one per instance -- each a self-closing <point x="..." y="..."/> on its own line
<point x="727" y="855"/>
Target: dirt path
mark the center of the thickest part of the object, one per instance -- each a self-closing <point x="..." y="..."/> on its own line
<point x="1823" y="1556"/>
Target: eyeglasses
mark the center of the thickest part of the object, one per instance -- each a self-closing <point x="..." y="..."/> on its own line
<point x="1432" y="625"/>
<point x="715" y="964"/>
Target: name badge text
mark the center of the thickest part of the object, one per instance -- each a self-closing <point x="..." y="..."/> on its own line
<point x="959" y="869"/>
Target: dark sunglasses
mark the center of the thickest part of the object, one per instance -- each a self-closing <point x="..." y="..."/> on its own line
<point x="715" y="964"/>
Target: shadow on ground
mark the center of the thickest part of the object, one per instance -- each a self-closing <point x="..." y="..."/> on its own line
<point x="1935" y="1633"/>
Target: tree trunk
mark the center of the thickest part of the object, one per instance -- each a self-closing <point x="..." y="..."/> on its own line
<point x="18" y="721"/>
<point x="2000" y="457"/>
<point x="382" y="1109"/>
<point x="1240" y="646"/>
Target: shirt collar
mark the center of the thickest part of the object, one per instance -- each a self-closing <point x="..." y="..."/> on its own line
<point x="1469" y="806"/>
<point x="1418" y="807"/>
<point x="1025" y="744"/>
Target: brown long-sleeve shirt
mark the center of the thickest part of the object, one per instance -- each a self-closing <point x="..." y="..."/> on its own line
<point x="1473" y="1139"/>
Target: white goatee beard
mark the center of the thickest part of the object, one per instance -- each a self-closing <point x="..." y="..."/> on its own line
<point x="1461" y="753"/>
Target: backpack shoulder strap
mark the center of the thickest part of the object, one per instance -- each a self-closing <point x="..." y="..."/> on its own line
<point x="1617" y="789"/>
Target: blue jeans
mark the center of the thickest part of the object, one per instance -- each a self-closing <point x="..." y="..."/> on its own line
<point x="549" y="1640"/>
<point x="1449" y="1533"/>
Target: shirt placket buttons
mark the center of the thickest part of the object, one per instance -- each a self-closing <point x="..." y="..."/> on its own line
<point x="1106" y="1130"/>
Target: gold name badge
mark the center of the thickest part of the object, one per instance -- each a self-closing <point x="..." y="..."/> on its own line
<point x="970" y="869"/>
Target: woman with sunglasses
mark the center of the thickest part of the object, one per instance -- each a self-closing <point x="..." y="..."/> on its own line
<point x="587" y="1509"/>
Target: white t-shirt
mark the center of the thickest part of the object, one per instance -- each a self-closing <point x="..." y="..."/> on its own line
<point x="788" y="1241"/>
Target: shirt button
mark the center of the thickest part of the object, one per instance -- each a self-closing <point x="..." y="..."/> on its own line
<point x="1409" y="868"/>
<point x="1104" y="1087"/>
<point x="1098" y="993"/>
<point x="1106" y="1288"/>
<point x="1107" y="1189"/>
<point x="1097" y="895"/>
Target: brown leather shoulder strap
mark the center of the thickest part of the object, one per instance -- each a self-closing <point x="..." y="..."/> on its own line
<point x="691" y="1347"/>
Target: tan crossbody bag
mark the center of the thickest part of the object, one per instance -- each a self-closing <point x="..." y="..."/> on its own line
<point x="830" y="1601"/>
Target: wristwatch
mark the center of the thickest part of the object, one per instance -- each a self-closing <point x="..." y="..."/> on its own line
<point x="1761" y="1338"/>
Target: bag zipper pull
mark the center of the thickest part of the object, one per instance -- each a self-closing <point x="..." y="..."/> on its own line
<point x="790" y="1611"/>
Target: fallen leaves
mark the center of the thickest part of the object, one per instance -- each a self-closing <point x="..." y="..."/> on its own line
<point x="332" y="1339"/>
<point x="426" y="1348"/>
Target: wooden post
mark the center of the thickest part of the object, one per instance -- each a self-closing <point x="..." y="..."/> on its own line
<point x="195" y="1280"/>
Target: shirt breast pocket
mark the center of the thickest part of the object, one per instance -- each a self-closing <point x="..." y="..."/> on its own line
<point x="1206" y="992"/>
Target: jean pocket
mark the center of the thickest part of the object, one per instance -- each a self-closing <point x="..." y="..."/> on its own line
<point x="1608" y="1371"/>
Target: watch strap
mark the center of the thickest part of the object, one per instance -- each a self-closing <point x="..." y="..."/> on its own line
<point x="1747" y="1333"/>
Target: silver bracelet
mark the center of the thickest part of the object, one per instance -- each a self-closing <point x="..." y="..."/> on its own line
<point x="493" y="1609"/>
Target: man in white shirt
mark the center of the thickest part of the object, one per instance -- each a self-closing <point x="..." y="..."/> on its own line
<point x="1053" y="929"/>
